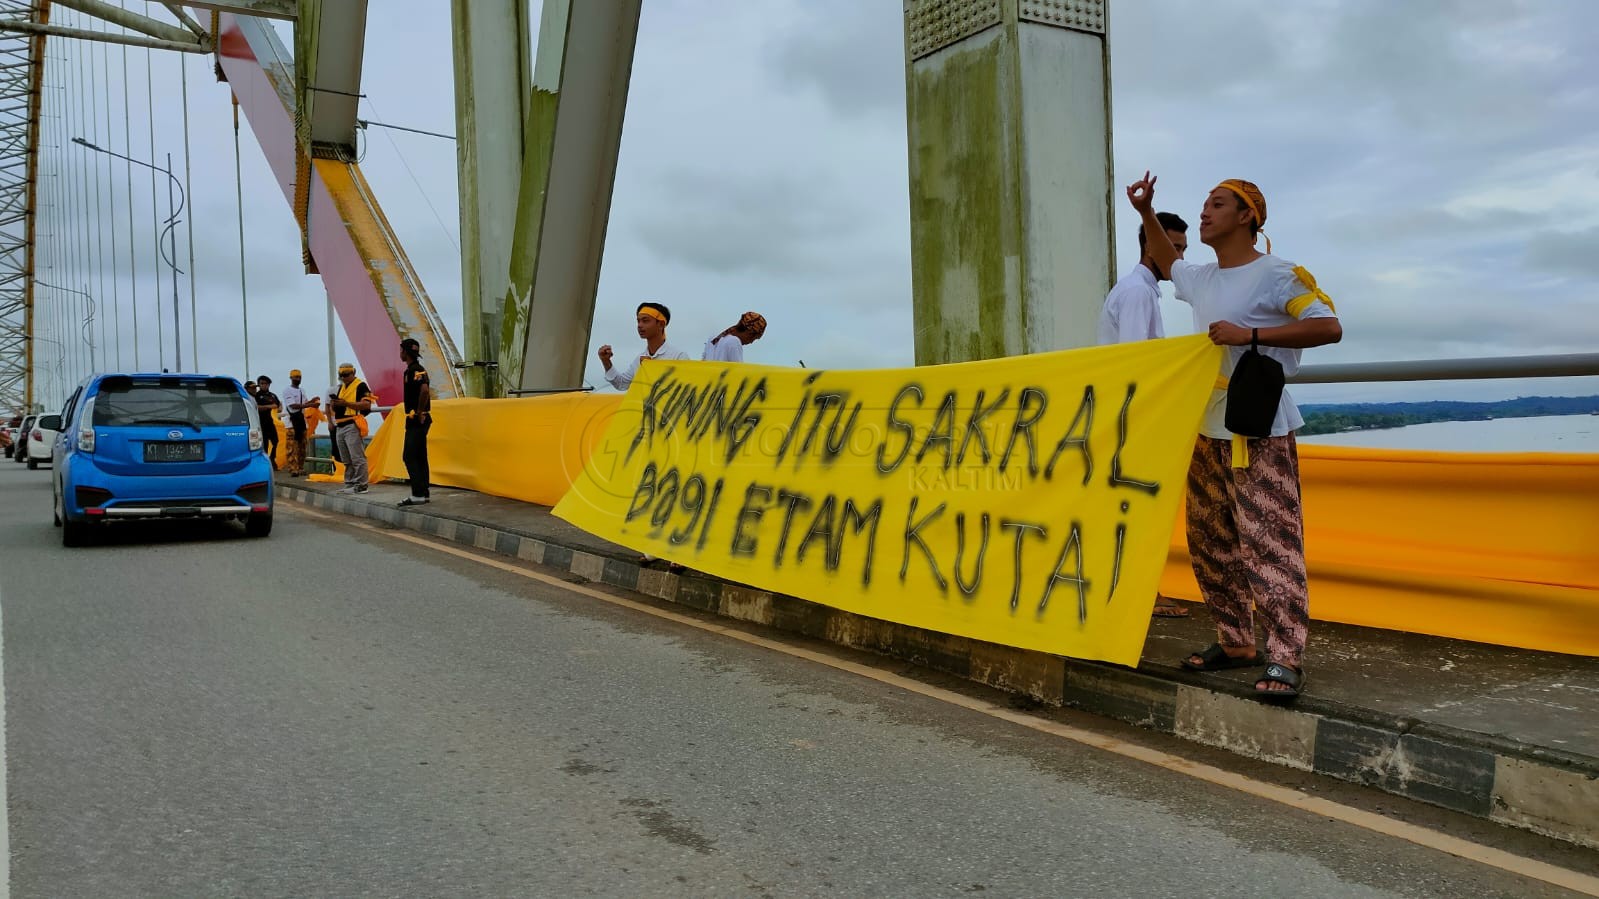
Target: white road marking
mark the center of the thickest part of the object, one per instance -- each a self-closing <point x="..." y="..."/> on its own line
<point x="5" y="825"/>
<point x="1575" y="881"/>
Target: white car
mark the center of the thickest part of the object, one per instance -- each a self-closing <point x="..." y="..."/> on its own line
<point x="41" y="442"/>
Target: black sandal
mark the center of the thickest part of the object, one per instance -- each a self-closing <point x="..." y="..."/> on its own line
<point x="645" y="561"/>
<point x="1215" y="658"/>
<point x="1280" y="674"/>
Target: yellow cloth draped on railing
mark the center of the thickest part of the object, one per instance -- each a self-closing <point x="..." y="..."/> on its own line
<point x="1495" y="548"/>
<point x="530" y="448"/>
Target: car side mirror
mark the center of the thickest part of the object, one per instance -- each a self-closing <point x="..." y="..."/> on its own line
<point x="49" y="423"/>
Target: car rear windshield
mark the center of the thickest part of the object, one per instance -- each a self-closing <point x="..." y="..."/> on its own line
<point x="169" y="401"/>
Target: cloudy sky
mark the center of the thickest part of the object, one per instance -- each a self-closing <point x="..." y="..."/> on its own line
<point x="1434" y="163"/>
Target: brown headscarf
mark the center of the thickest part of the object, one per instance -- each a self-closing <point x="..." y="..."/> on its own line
<point x="753" y="322"/>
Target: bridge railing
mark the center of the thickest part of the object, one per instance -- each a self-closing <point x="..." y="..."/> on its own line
<point x="1486" y="368"/>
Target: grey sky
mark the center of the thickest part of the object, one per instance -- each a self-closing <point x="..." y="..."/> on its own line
<point x="1434" y="163"/>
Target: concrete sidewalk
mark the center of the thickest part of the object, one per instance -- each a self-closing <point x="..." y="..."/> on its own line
<point x="1506" y="734"/>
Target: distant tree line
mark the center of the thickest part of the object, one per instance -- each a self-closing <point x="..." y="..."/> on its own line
<point x="1332" y="418"/>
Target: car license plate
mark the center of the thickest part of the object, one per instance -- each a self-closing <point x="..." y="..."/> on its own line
<point x="174" y="451"/>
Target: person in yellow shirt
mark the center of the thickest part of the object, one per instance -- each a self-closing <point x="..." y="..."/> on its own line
<point x="349" y="407"/>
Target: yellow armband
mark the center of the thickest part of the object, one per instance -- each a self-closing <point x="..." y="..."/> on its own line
<point x="1299" y="304"/>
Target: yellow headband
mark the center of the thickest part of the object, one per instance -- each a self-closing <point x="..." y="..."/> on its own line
<point x="294" y="373"/>
<point x="346" y="369"/>
<point x="649" y="312"/>
<point x="1239" y="189"/>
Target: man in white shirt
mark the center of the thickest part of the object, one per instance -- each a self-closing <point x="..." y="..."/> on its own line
<point x="1132" y="308"/>
<point x="729" y="345"/>
<point x="1245" y="523"/>
<point x="1132" y="312"/>
<point x="294" y="403"/>
<point x="652" y="319"/>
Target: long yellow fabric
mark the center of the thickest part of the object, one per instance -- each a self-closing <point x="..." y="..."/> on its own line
<point x="530" y="448"/>
<point x="347" y="393"/>
<point x="1493" y="548"/>
<point x="1240" y="445"/>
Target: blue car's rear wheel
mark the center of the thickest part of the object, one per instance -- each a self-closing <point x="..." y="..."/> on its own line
<point x="259" y="524"/>
<point x="76" y="533"/>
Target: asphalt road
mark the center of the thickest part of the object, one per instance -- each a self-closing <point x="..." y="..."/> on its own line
<point x="334" y="712"/>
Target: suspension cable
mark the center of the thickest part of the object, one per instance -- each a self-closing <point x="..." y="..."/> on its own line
<point x="80" y="272"/>
<point x="99" y="218"/>
<point x="69" y="246"/>
<point x="111" y="192"/>
<point x="416" y="181"/>
<point x="133" y="258"/>
<point x="56" y="207"/>
<point x="238" y="186"/>
<point x="52" y="102"/>
<point x="188" y="191"/>
<point x="155" y="228"/>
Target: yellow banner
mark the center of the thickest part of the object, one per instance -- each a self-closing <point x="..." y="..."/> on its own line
<point x="1026" y="501"/>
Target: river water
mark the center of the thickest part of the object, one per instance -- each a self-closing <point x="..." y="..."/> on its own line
<point x="1545" y="434"/>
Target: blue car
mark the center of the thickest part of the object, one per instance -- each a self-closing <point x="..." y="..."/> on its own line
<point x="137" y="447"/>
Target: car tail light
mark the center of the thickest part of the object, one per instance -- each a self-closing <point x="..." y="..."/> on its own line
<point x="37" y="435"/>
<point x="86" y="428"/>
<point x="252" y="414"/>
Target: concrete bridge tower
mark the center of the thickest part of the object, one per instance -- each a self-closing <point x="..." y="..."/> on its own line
<point x="1012" y="248"/>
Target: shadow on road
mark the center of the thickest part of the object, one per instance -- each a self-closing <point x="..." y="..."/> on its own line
<point x="161" y="533"/>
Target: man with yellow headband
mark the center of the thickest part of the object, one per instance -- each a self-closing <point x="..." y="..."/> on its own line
<point x="729" y="345"/>
<point x="1245" y="523"/>
<point x="349" y="405"/>
<point x="652" y="319"/>
<point x="294" y="402"/>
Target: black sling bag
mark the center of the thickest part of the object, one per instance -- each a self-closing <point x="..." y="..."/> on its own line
<point x="1254" y="391"/>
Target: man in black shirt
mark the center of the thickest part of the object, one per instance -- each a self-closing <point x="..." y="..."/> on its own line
<point x="266" y="402"/>
<point x="418" y="419"/>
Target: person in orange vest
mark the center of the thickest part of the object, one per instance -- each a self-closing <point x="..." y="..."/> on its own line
<point x="349" y="406"/>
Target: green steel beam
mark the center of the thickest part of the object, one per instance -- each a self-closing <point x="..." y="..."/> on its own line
<point x="573" y="136"/>
<point x="492" y="87"/>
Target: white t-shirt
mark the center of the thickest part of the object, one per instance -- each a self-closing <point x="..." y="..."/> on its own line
<point x="1250" y="296"/>
<point x="290" y="396"/>
<point x="1132" y="309"/>
<point x="621" y="377"/>
<point x="727" y="349"/>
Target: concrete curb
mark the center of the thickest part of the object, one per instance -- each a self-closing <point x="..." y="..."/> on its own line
<point x="1488" y="776"/>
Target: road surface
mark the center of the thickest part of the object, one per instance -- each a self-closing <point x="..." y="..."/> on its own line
<point x="333" y="711"/>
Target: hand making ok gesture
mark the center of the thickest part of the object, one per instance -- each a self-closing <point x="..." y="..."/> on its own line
<point x="1141" y="193"/>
